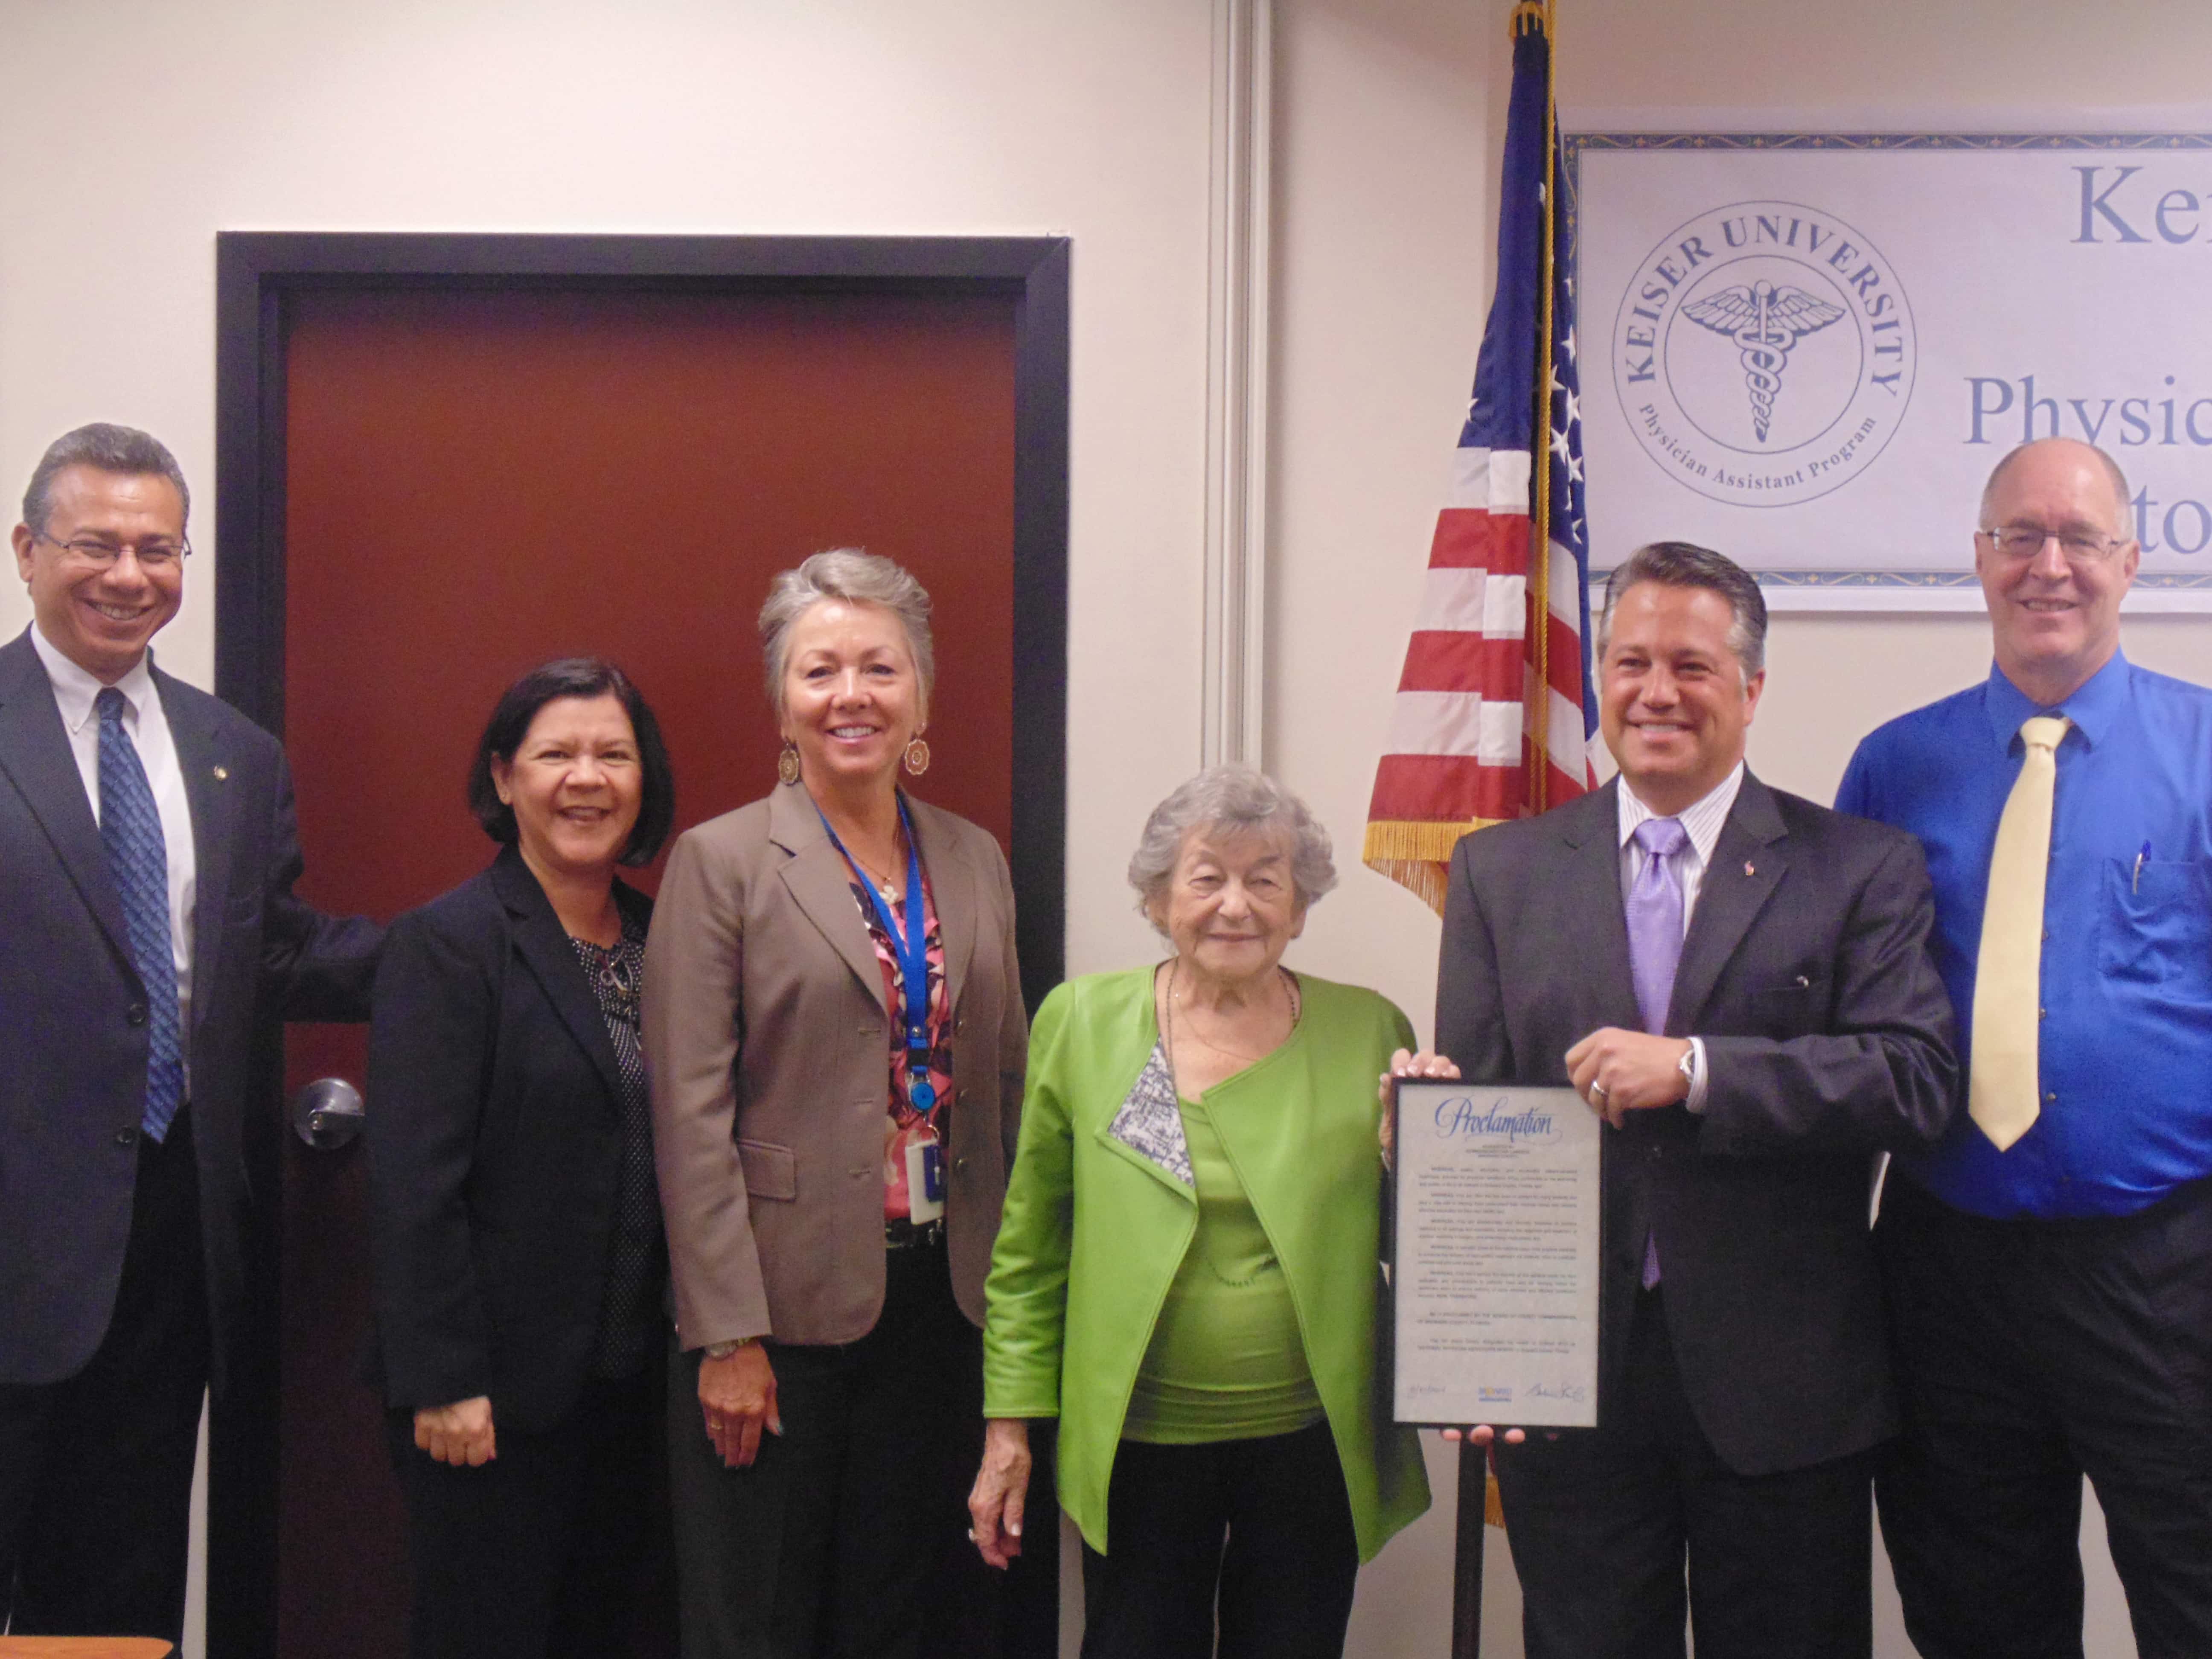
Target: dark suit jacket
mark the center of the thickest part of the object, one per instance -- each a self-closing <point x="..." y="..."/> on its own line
<point x="1827" y="1038"/>
<point x="73" y="1034"/>
<point x="494" y="1142"/>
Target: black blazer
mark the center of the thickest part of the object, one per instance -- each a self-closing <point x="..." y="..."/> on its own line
<point x="495" y="1141"/>
<point x="1827" y="1038"/>
<point x="73" y="1033"/>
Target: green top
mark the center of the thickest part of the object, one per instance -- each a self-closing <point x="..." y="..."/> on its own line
<point x="1095" y="1231"/>
<point x="1226" y="1361"/>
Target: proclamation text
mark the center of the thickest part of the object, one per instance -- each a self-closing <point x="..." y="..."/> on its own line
<point x="1495" y="1260"/>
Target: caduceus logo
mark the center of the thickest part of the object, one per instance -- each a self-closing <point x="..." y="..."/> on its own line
<point x="1765" y="322"/>
<point x="1764" y="353"/>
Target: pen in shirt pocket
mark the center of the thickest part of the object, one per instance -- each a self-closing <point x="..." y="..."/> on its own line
<point x="2136" y="885"/>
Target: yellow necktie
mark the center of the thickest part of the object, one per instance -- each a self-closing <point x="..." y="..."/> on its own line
<point x="2002" y="1078"/>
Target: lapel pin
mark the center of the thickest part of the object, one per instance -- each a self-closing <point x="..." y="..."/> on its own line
<point x="1748" y="870"/>
<point x="222" y="773"/>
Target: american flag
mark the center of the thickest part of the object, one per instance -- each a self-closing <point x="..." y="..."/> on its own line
<point x="1494" y="713"/>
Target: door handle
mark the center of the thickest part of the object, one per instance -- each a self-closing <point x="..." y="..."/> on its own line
<point x="327" y="1113"/>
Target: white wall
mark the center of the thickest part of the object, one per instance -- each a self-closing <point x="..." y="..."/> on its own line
<point x="137" y="129"/>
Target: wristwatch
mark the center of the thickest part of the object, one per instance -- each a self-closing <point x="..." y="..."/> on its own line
<point x="1687" y="1066"/>
<point x="724" y="1350"/>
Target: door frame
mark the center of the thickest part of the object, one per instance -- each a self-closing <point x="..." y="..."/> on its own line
<point x="257" y="274"/>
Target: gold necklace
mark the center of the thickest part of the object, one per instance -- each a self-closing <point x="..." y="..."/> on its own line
<point x="883" y="882"/>
<point x="1290" y="996"/>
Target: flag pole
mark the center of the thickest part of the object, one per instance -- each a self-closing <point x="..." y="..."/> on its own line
<point x="1470" y="1523"/>
<point x="1470" y="1520"/>
<point x="1538" y="715"/>
<point x="1467" y="1551"/>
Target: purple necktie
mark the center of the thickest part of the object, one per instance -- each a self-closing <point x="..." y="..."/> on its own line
<point x="1655" y="918"/>
<point x="1655" y="946"/>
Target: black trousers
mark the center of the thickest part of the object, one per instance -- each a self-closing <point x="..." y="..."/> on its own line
<point x="847" y="1536"/>
<point x="96" y="1471"/>
<point x="1255" y="1534"/>
<point x="2030" y="1353"/>
<point x="537" y="1551"/>
<point x="1602" y="1521"/>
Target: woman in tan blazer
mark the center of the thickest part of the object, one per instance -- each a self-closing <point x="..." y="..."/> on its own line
<point x="832" y="1152"/>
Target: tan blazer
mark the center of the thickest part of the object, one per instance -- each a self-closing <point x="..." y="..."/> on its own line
<point x="769" y="1040"/>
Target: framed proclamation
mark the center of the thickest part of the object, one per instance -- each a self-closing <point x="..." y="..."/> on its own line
<point x="1494" y="1195"/>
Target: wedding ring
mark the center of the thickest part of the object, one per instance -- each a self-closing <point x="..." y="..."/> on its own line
<point x="1597" y="1090"/>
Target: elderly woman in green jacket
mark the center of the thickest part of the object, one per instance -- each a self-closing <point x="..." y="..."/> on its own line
<point x="1187" y="1274"/>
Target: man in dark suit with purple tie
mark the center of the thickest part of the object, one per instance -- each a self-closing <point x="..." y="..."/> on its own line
<point x="1739" y="980"/>
<point x="147" y="925"/>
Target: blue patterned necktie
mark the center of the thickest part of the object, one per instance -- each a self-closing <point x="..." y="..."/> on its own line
<point x="138" y="858"/>
<point x="1655" y="946"/>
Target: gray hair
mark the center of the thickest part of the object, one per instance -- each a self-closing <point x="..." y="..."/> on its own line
<point x="857" y="578"/>
<point x="1239" y="800"/>
<point x="119" y="449"/>
<point x="2118" y="479"/>
<point x="1685" y="564"/>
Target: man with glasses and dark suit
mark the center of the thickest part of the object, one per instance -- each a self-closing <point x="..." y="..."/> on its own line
<point x="147" y="925"/>
<point x="2049" y="1262"/>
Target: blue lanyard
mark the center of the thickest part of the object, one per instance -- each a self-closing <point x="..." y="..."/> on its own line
<point x="910" y="947"/>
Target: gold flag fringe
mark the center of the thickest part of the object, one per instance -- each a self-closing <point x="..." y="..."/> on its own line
<point x="1415" y="838"/>
<point x="1417" y="855"/>
<point x="1423" y="878"/>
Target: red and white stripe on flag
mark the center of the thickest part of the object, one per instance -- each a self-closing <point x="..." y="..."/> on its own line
<point x="1463" y="746"/>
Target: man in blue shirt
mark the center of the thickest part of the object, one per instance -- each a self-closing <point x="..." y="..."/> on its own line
<point x="2049" y="1261"/>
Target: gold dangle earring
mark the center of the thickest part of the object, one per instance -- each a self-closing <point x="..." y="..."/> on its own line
<point x="917" y="755"/>
<point x="786" y="763"/>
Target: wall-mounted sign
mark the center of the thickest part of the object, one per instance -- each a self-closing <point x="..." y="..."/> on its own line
<point x="1817" y="345"/>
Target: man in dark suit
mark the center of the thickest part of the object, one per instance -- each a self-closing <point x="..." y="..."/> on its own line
<point x="147" y="923"/>
<point x="1738" y="980"/>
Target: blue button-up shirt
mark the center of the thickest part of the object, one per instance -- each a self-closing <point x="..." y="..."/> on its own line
<point x="2125" y="1044"/>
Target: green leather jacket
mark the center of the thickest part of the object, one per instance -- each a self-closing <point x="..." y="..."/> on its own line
<point x="1094" y="1231"/>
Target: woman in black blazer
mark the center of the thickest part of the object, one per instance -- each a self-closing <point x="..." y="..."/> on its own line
<point x="520" y="1258"/>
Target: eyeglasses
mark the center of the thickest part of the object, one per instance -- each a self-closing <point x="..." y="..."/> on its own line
<point x="157" y="556"/>
<point x="2025" y="541"/>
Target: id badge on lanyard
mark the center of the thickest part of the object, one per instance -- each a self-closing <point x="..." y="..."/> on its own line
<point x="924" y="1151"/>
<point x="925" y="1176"/>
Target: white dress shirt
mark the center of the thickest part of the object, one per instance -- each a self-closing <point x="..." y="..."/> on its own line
<point x="148" y="726"/>
<point x="1702" y="821"/>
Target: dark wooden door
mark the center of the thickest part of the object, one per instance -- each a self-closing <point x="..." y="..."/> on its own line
<point x="473" y="481"/>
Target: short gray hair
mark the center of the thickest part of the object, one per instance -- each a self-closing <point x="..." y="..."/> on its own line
<point x="1685" y="564"/>
<point x="857" y="578"/>
<point x="2121" y="500"/>
<point x="1239" y="800"/>
<point x="120" y="449"/>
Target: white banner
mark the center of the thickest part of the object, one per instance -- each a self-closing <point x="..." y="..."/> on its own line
<point x="1808" y="350"/>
